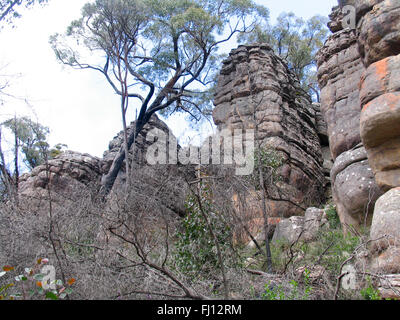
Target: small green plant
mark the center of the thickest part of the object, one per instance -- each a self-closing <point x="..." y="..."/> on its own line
<point x="29" y="285"/>
<point x="370" y="292"/>
<point x="269" y="159"/>
<point x="195" y="252"/>
<point x="277" y="292"/>
<point x="332" y="216"/>
<point x="307" y="285"/>
<point x="273" y="292"/>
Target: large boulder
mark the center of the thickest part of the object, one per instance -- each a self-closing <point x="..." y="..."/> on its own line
<point x="354" y="189"/>
<point x="165" y="182"/>
<point x="289" y="230"/>
<point x="66" y="177"/>
<point x="301" y="228"/>
<point x="386" y="221"/>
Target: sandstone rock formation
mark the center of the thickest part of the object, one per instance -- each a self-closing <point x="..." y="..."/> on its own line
<point x="69" y="174"/>
<point x="72" y="174"/>
<point x="301" y="228"/>
<point x="386" y="228"/>
<point x="340" y="69"/>
<point x="367" y="60"/>
<point x="165" y="182"/>
<point x="257" y="90"/>
<point x="379" y="43"/>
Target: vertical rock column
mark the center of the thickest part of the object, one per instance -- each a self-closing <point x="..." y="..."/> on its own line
<point x="379" y="44"/>
<point x="339" y="72"/>
<point x="254" y="78"/>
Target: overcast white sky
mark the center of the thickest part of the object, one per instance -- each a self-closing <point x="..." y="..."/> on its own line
<point x="78" y="106"/>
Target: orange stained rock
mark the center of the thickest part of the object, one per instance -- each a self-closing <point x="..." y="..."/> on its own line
<point x="381" y="72"/>
<point x="391" y="100"/>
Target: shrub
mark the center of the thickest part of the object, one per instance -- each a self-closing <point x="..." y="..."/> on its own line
<point x="195" y="252"/>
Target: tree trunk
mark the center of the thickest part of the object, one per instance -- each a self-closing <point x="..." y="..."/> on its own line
<point x="108" y="180"/>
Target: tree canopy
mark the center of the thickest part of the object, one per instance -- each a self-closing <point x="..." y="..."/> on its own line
<point x="9" y="9"/>
<point x="162" y="53"/>
<point x="297" y="41"/>
<point x="31" y="138"/>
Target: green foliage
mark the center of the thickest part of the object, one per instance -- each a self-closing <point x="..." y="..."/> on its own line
<point x="167" y="43"/>
<point x="295" y="292"/>
<point x="297" y="41"/>
<point x="332" y="216"/>
<point x="195" y="252"/>
<point x="370" y="292"/>
<point x="331" y="248"/>
<point x="9" y="8"/>
<point x="31" y="138"/>
<point x="57" y="150"/>
<point x="270" y="160"/>
<point x="32" y="141"/>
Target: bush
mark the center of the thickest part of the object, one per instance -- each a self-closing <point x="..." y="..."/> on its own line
<point x="293" y="291"/>
<point x="195" y="252"/>
<point x="370" y="292"/>
<point x="333" y="217"/>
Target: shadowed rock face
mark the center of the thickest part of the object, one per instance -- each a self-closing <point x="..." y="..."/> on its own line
<point x="256" y="88"/>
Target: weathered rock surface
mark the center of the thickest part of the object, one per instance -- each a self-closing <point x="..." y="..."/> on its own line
<point x="255" y="87"/>
<point x="385" y="231"/>
<point x="163" y="181"/>
<point x="380" y="119"/>
<point x="314" y="219"/>
<point x="389" y="286"/>
<point x="379" y="31"/>
<point x="289" y="230"/>
<point x="386" y="220"/>
<point x="339" y="72"/>
<point x="72" y="174"/>
<point x="66" y="174"/>
<point x="301" y="228"/>
<point x="378" y="46"/>
<point x="360" y="100"/>
<point x="354" y="189"/>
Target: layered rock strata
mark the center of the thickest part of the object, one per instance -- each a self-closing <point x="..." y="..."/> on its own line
<point x="256" y="90"/>
<point x="340" y="68"/>
<point x="376" y="42"/>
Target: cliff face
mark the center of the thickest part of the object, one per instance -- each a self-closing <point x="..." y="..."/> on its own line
<point x="359" y="76"/>
<point x="256" y="89"/>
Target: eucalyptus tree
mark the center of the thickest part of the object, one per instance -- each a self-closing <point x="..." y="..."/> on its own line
<point x="297" y="41"/>
<point x="162" y="53"/>
<point x="9" y="9"/>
